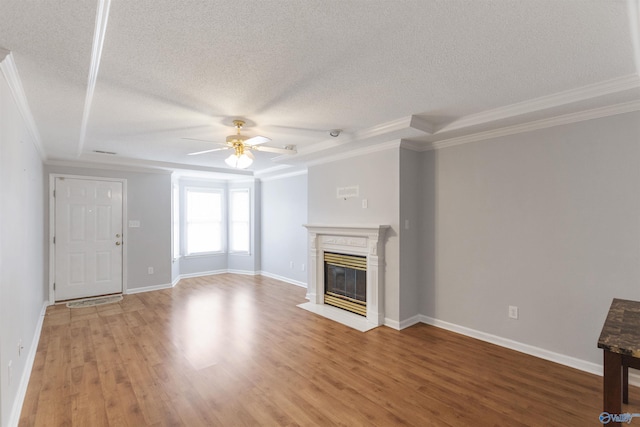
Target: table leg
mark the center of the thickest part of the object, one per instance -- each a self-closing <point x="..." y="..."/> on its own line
<point x="625" y="383"/>
<point x="612" y="389"/>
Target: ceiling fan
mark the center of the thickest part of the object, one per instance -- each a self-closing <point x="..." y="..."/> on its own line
<point x="242" y="146"/>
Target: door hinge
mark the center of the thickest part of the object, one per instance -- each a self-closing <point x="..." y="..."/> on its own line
<point x="54" y="194"/>
<point x="54" y="286"/>
<point x="54" y="240"/>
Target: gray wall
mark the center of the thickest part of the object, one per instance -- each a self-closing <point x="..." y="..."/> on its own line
<point x="547" y="221"/>
<point x="284" y="239"/>
<point x="22" y="242"/>
<point x="377" y="175"/>
<point x="409" y="230"/>
<point x="148" y="201"/>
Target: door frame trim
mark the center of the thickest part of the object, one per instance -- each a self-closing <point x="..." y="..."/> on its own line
<point x="52" y="227"/>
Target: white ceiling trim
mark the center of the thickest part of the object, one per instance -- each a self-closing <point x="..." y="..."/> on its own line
<point x="105" y="166"/>
<point x="559" y="99"/>
<point x="99" y="161"/>
<point x="579" y="116"/>
<point x="356" y="152"/>
<point x="271" y="170"/>
<point x="284" y="175"/>
<point x="102" y="16"/>
<point x="404" y="127"/>
<point x="10" y="71"/>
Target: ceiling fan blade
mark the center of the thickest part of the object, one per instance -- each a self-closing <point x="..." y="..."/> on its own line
<point x="257" y="140"/>
<point x="275" y="150"/>
<point x="203" y="140"/>
<point x="208" y="151"/>
<point x="250" y="154"/>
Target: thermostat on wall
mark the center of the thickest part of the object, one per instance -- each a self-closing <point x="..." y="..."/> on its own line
<point x="347" y="192"/>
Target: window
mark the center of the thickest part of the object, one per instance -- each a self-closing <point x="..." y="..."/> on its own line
<point x="203" y="221"/>
<point x="239" y="220"/>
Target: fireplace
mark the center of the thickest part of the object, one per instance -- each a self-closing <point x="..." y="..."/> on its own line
<point x="346" y="274"/>
<point x="345" y="282"/>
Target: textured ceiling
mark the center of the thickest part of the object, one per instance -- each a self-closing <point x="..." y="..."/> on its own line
<point x="296" y="69"/>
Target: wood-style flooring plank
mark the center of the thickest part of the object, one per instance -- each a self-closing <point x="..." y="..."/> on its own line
<point x="231" y="350"/>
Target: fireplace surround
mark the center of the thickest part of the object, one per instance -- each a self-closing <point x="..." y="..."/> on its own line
<point x="363" y="241"/>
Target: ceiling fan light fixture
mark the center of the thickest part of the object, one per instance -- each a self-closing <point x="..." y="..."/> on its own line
<point x="239" y="162"/>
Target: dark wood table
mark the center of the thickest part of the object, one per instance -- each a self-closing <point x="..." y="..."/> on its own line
<point x="620" y="342"/>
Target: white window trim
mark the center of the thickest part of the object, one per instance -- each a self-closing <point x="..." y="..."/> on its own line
<point x="230" y="228"/>
<point x="176" y="232"/>
<point x="184" y="233"/>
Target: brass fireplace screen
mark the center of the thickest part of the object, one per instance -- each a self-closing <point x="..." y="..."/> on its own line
<point x="345" y="282"/>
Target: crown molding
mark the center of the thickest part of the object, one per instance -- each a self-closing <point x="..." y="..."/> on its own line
<point x="10" y="72"/>
<point x="404" y="127"/>
<point x="102" y="16"/>
<point x="86" y="164"/>
<point x="559" y="99"/>
<point x="564" y="119"/>
<point x="284" y="175"/>
<point x="356" y="152"/>
<point x="413" y="145"/>
<point x="145" y="166"/>
<point x="422" y="124"/>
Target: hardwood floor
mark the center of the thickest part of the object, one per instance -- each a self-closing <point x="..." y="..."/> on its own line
<point x="233" y="350"/>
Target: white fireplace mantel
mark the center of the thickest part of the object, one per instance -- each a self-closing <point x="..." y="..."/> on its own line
<point x="359" y="240"/>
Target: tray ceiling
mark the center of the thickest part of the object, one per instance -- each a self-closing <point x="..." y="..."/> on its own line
<point x="429" y="72"/>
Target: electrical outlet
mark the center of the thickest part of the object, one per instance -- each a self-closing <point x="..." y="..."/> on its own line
<point x="290" y="264"/>
<point x="365" y="204"/>
<point x="513" y="312"/>
<point x="150" y="270"/>
<point x="9" y="372"/>
<point x="302" y="267"/>
<point x="20" y="347"/>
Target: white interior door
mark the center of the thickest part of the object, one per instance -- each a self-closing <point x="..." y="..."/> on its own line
<point x="88" y="238"/>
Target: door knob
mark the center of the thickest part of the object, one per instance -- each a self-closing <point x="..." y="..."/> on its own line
<point x="118" y="243"/>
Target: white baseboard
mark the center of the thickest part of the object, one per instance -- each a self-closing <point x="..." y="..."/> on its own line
<point x="213" y="273"/>
<point x="583" y="365"/>
<point x="14" y="416"/>
<point x="283" y="279"/>
<point x="244" y="272"/>
<point x="200" y="274"/>
<point x="149" y="288"/>
<point x="411" y="321"/>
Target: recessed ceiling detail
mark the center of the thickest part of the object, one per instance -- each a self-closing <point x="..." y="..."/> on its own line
<point x="136" y="78"/>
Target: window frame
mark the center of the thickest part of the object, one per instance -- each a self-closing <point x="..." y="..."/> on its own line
<point x="231" y="222"/>
<point x="185" y="221"/>
<point x="176" y="222"/>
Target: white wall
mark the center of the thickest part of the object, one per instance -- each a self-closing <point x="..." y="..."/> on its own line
<point x="377" y="175"/>
<point x="284" y="239"/>
<point x="148" y="201"/>
<point x="548" y="221"/>
<point x="22" y="241"/>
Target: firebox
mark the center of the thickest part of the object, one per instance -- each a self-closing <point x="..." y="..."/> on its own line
<point x="345" y="282"/>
